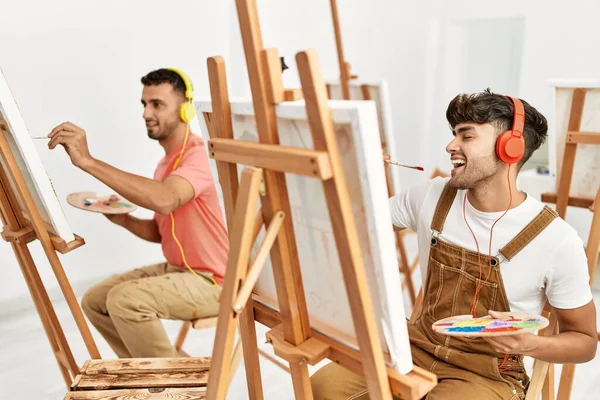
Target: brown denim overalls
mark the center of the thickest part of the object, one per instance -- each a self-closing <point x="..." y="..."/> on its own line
<point x="452" y="278"/>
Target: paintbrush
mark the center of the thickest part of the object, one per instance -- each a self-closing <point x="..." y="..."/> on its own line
<point x="402" y="165"/>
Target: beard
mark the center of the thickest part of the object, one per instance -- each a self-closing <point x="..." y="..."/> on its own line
<point x="161" y="131"/>
<point x="474" y="172"/>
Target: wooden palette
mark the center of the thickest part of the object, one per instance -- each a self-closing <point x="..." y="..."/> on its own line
<point x="106" y="205"/>
<point x="513" y="324"/>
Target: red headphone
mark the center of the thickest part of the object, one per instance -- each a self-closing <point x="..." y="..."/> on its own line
<point x="510" y="145"/>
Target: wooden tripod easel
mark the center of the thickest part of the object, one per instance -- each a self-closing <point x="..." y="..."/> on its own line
<point x="291" y="336"/>
<point x="406" y="268"/>
<point x="562" y="198"/>
<point x="22" y="224"/>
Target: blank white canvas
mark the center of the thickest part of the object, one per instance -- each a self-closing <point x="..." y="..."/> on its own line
<point x="586" y="172"/>
<point x="31" y="167"/>
<point x="358" y="139"/>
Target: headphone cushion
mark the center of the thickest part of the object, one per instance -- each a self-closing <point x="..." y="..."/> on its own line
<point x="187" y="112"/>
<point x="510" y="149"/>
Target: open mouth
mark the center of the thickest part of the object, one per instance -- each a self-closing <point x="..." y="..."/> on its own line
<point x="458" y="164"/>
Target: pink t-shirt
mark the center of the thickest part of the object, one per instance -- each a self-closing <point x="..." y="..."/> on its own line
<point x="199" y="223"/>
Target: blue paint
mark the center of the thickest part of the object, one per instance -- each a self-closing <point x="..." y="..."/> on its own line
<point x="466" y="329"/>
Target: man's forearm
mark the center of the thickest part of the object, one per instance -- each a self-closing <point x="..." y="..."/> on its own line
<point x="144" y="192"/>
<point x="146" y="229"/>
<point x="567" y="347"/>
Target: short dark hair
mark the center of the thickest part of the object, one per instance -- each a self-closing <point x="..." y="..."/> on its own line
<point x="487" y="107"/>
<point x="164" y="75"/>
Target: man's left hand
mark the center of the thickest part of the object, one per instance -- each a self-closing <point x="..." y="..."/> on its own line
<point x="523" y="343"/>
<point x="74" y="140"/>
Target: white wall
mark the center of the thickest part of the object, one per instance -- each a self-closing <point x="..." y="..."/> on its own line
<point x="560" y="41"/>
<point x="82" y="61"/>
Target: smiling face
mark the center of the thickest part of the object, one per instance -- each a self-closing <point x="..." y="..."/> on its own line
<point x="161" y="110"/>
<point x="473" y="156"/>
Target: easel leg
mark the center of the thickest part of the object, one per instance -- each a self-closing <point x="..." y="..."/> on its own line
<point x="54" y="332"/>
<point x="288" y="280"/>
<point x="183" y="331"/>
<point x="237" y="266"/>
<point x="250" y="347"/>
<point x="548" y="390"/>
<point x="46" y="242"/>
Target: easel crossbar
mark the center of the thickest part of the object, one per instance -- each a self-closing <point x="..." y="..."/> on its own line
<point x="278" y="158"/>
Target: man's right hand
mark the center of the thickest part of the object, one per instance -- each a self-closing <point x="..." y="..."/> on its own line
<point x="119" y="219"/>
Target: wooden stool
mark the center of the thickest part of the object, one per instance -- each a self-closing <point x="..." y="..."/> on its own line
<point x="141" y="378"/>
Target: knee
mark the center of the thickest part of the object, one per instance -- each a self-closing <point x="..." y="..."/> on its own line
<point x="129" y="300"/>
<point x="333" y="382"/>
<point x="121" y="300"/>
<point x="94" y="301"/>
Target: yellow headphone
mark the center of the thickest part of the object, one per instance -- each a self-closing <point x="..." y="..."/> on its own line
<point x="186" y="111"/>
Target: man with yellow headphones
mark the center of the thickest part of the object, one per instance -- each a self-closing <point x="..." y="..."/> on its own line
<point x="188" y="223"/>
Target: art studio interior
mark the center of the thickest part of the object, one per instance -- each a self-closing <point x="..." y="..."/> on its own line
<point x="319" y="199"/>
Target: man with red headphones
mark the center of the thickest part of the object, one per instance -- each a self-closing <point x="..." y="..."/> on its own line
<point x="486" y="247"/>
<point x="188" y="223"/>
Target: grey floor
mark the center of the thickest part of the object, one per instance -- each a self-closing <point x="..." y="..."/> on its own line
<point x="28" y="369"/>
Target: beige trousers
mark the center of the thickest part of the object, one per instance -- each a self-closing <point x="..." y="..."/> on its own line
<point x="126" y="309"/>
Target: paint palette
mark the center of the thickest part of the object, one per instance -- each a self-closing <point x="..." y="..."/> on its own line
<point x="106" y="205"/>
<point x="512" y="323"/>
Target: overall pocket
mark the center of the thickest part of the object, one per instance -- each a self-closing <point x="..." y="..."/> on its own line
<point x="450" y="292"/>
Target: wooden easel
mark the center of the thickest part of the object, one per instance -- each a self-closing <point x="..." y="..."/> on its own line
<point x="291" y="336"/>
<point x="346" y="75"/>
<point x="562" y="199"/>
<point x="22" y="224"/>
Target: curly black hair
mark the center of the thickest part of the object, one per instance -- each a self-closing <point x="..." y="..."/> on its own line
<point x="487" y="107"/>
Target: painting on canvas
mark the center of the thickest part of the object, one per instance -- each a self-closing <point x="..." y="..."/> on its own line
<point x="31" y="167"/>
<point x="328" y="307"/>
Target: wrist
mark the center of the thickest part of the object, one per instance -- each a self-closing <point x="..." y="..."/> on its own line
<point x="533" y="345"/>
<point x="88" y="164"/>
<point x="127" y="221"/>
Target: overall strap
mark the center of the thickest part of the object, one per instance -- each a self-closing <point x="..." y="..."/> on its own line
<point x="443" y="207"/>
<point x="537" y="225"/>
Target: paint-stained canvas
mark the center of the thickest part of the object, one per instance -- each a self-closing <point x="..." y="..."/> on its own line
<point x="31" y="166"/>
<point x="357" y="132"/>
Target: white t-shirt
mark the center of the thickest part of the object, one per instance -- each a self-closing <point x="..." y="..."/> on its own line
<point x="553" y="265"/>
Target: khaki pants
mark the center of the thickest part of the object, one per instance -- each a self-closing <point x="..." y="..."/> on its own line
<point x="126" y="309"/>
<point x="334" y="382"/>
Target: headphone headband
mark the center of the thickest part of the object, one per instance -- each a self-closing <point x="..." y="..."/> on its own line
<point x="189" y="89"/>
<point x="518" y="117"/>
